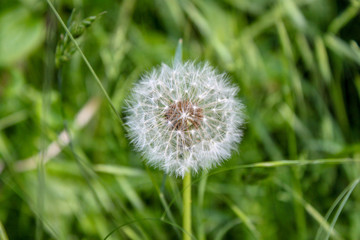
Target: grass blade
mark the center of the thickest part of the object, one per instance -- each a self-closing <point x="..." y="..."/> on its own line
<point x="3" y="235"/>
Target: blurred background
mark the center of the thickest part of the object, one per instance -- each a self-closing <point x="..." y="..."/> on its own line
<point x="67" y="170"/>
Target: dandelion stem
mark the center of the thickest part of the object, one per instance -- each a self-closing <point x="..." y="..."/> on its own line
<point x="187" y="206"/>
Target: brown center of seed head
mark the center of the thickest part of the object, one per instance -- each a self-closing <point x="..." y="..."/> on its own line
<point x="184" y="116"/>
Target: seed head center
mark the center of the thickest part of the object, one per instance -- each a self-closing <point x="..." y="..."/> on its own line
<point x="184" y="115"/>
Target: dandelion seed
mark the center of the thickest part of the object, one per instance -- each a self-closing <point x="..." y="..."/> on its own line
<point x="184" y="118"/>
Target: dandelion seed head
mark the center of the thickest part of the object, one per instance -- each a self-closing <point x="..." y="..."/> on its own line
<point x="184" y="118"/>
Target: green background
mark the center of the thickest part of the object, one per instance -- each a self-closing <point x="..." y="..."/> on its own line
<point x="294" y="175"/>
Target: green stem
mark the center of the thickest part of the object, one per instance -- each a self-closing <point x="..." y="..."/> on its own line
<point x="187" y="206"/>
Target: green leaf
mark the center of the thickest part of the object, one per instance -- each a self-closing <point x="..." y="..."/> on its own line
<point x="20" y="34"/>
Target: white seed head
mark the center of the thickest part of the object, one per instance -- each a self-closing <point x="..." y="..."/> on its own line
<point x="184" y="118"/>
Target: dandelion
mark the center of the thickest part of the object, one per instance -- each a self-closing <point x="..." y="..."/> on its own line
<point x="184" y="118"/>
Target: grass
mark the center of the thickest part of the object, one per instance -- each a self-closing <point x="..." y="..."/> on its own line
<point x="67" y="170"/>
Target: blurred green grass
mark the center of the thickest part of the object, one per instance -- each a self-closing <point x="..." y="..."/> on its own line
<point x="296" y="63"/>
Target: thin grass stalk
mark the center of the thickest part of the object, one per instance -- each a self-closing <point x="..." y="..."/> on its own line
<point x="85" y="60"/>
